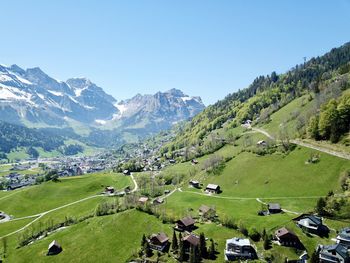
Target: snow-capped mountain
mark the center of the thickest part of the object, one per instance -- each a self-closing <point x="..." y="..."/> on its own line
<point x="31" y="96"/>
<point x="158" y="111"/>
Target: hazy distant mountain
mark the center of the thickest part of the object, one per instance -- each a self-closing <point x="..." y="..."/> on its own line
<point x="32" y="97"/>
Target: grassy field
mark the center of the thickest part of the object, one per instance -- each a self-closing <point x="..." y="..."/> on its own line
<point x="100" y="239"/>
<point x="46" y="196"/>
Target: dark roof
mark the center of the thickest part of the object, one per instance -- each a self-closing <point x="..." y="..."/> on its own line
<point x="283" y="231"/>
<point x="192" y="239"/>
<point x="274" y="206"/>
<point x="162" y="237"/>
<point x="345" y="233"/>
<point x="187" y="221"/>
<point x="338" y="248"/>
<point x="54" y="244"/>
<point x="317" y="220"/>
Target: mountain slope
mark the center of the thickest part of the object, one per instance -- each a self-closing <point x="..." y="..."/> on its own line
<point x="320" y="79"/>
<point x="30" y="97"/>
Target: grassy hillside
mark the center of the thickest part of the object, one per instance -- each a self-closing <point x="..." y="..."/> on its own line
<point x="46" y="196"/>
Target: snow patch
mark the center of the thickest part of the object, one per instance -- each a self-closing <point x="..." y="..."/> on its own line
<point x="23" y="80"/>
<point x="56" y="93"/>
<point x="184" y="99"/>
<point x="121" y="107"/>
<point x="4" y="78"/>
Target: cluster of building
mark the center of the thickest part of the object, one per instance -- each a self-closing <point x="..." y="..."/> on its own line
<point x="337" y="252"/>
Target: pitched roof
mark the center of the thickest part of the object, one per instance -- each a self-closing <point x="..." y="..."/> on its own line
<point x="187" y="221"/>
<point x="345" y="233"/>
<point x="192" y="239"/>
<point x="274" y="206"/>
<point x="143" y="199"/>
<point x="338" y="248"/>
<point x="204" y="208"/>
<point x="212" y="186"/>
<point x="317" y="220"/>
<point x="54" y="244"/>
<point x="238" y="241"/>
<point x="162" y="237"/>
<point x="283" y="231"/>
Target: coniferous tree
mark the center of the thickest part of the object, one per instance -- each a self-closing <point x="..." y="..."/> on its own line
<point x="211" y="252"/>
<point x="182" y="253"/>
<point x="202" y="246"/>
<point x="321" y="204"/>
<point x="147" y="249"/>
<point x="174" y="244"/>
<point x="144" y="240"/>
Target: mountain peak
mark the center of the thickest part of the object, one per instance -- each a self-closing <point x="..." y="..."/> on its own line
<point x="175" y="92"/>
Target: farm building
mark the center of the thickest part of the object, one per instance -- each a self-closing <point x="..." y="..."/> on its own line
<point x="206" y="211"/>
<point x="54" y="248"/>
<point x="194" y="183"/>
<point x="274" y="208"/>
<point x="143" y="200"/>
<point x="212" y="188"/>
<point x="109" y="189"/>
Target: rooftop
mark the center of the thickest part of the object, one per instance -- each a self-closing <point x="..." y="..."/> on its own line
<point x="238" y="241"/>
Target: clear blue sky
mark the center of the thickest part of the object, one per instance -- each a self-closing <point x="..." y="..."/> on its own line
<point x="207" y="48"/>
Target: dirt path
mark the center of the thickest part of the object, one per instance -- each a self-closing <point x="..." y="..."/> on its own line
<point x="284" y="210"/>
<point x="308" y="145"/>
<point x="136" y="187"/>
<point x="40" y="215"/>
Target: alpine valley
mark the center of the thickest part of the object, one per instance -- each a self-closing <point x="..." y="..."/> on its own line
<point x="79" y="110"/>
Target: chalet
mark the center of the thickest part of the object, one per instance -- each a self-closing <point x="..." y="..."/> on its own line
<point x="336" y="253"/>
<point x="239" y="248"/>
<point x="158" y="201"/>
<point x="194" y="184"/>
<point x="343" y="237"/>
<point x="109" y="190"/>
<point x="190" y="240"/>
<point x="143" y="200"/>
<point x="54" y="248"/>
<point x="312" y="224"/>
<point x="185" y="224"/>
<point x="274" y="208"/>
<point x="206" y="211"/>
<point x="158" y="241"/>
<point x="212" y="189"/>
<point x="287" y="238"/>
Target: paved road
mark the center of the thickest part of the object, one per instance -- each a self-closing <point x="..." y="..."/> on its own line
<point x="308" y="145"/>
